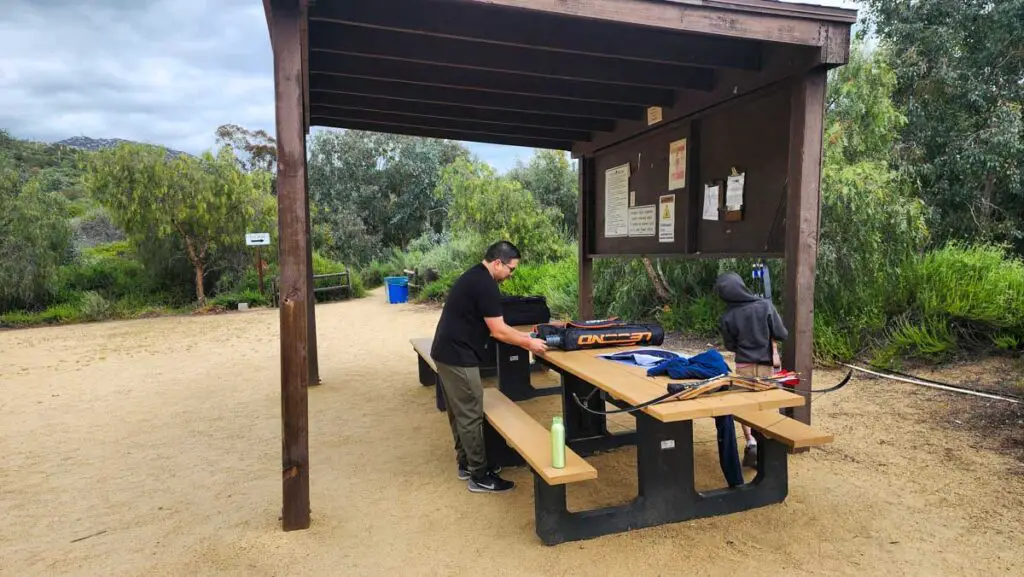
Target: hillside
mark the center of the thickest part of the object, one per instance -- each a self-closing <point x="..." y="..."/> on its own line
<point x="93" y="144"/>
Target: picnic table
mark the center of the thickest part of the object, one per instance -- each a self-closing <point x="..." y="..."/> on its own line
<point x="664" y="445"/>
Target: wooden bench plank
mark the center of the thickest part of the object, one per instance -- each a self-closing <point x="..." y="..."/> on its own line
<point x="533" y="441"/>
<point x="789" y="431"/>
<point x="422" y="347"/>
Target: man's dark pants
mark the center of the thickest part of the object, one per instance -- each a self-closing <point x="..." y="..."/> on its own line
<point x="464" y="400"/>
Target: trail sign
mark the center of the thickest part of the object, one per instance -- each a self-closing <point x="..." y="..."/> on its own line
<point x="257" y="239"/>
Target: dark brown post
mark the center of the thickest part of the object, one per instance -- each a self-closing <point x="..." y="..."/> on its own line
<point x="286" y="16"/>
<point x="586" y="264"/>
<point x="803" y="207"/>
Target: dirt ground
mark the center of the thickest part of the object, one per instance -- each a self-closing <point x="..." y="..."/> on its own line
<point x="153" y="447"/>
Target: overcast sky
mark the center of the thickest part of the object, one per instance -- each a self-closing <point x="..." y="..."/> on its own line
<point x="160" y="71"/>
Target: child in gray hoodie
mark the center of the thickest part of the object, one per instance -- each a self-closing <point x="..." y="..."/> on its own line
<point x="750" y="328"/>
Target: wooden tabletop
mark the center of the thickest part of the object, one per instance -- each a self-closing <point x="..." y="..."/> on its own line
<point x="632" y="385"/>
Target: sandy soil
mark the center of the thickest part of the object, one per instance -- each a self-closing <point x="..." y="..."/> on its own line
<point x="153" y="447"/>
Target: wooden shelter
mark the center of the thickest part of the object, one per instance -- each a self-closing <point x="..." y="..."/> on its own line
<point x="697" y="125"/>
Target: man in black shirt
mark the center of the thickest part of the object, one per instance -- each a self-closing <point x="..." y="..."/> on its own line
<point x="471" y="315"/>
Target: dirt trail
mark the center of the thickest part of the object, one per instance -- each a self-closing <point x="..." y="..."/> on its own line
<point x="157" y="443"/>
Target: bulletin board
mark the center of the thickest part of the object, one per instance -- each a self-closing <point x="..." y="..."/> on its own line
<point x="650" y="194"/>
<point x="652" y="214"/>
<point x="753" y="138"/>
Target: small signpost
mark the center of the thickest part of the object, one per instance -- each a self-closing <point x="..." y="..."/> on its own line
<point x="258" y="239"/>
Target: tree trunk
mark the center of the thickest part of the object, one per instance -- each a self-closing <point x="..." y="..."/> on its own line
<point x="659" y="287"/>
<point x="197" y="264"/>
<point x="200" y="292"/>
<point x="986" y="203"/>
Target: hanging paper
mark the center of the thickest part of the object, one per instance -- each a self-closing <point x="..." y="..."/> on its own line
<point x="667" y="218"/>
<point x="711" y="199"/>
<point x="734" y="192"/>
<point x="653" y="115"/>
<point x="677" y="165"/>
<point x="616" y="201"/>
<point x="643" y="220"/>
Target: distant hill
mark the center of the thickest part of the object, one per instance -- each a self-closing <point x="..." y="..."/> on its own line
<point x="86" y="143"/>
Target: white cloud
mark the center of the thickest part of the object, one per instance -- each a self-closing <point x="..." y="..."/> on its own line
<point x="161" y="71"/>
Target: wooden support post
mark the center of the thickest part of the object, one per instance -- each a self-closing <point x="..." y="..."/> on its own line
<point x="585" y="221"/>
<point x="285" y="25"/>
<point x="802" y="214"/>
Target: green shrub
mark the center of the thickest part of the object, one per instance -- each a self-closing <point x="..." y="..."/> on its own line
<point x="961" y="297"/>
<point x="981" y="285"/>
<point x="230" y="300"/>
<point x="931" y="338"/>
<point x="832" y="344"/>
<point x="438" y="290"/>
<point x="56" y="314"/>
<point x="108" y="270"/>
<point x="324" y="265"/>
<point x="94" y="307"/>
<point x="372" y="276"/>
<point x="456" y="255"/>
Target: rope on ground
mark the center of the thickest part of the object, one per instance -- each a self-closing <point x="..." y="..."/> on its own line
<point x="936" y="385"/>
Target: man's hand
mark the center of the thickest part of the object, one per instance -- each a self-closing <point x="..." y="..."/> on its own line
<point x="536" y="346"/>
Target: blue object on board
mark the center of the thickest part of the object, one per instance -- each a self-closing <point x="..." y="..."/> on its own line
<point x="703" y="366"/>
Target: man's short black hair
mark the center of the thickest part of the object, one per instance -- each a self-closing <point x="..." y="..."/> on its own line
<point x="502" y="250"/>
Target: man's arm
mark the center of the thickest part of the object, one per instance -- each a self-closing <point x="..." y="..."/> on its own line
<point x="506" y="334"/>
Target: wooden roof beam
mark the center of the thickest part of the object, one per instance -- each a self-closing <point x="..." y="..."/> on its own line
<point x="781" y="63"/>
<point x="509" y="83"/>
<point x="434" y="110"/>
<point x="471" y="54"/>
<point x="324" y="83"/>
<point x="446" y="134"/>
<point x="759" y="20"/>
<point x="542" y="31"/>
<point x="398" y="118"/>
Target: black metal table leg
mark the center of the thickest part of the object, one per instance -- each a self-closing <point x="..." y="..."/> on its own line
<point x="770" y="485"/>
<point x="497" y="449"/>
<point x="427" y="374"/>
<point x="514" y="370"/>
<point x="579" y="423"/>
<point x="666" y="492"/>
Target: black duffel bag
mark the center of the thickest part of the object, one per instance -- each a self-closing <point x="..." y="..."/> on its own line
<point x="595" y="334"/>
<point x="527" y="311"/>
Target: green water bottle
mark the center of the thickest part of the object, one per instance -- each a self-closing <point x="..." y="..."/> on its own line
<point x="557" y="443"/>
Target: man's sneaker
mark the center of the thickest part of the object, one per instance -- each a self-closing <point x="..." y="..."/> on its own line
<point x="750" y="456"/>
<point x="491" y="483"/>
<point x="464" y="471"/>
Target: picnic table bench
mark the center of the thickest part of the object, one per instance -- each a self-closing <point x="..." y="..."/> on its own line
<point x="664" y="445"/>
<point x="511" y="364"/>
<point x="322" y="283"/>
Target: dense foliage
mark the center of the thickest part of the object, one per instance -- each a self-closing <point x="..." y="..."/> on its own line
<point x="959" y="82"/>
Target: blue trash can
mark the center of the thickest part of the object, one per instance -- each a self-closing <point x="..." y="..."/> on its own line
<point x="397" y="288"/>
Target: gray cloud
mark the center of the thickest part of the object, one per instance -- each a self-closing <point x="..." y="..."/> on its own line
<point x="161" y="71"/>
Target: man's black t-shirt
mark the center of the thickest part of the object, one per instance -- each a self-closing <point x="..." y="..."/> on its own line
<point x="461" y="333"/>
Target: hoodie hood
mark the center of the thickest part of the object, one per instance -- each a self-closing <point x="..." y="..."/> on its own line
<point x="730" y="288"/>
